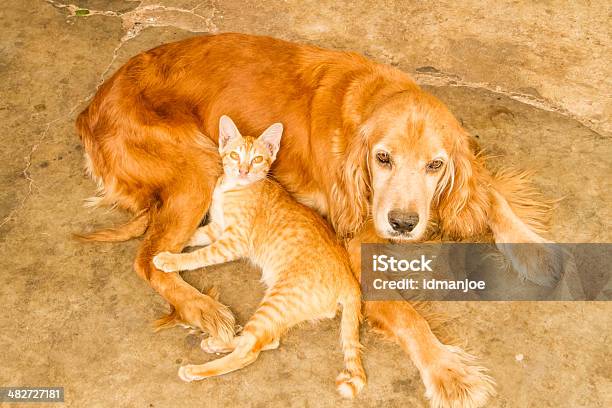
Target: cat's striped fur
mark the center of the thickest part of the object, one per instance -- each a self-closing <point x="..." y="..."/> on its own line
<point x="305" y="268"/>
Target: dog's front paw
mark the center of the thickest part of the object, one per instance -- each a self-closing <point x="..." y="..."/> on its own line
<point x="167" y="262"/>
<point x="455" y="381"/>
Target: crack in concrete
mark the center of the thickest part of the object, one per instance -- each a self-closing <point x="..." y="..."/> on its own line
<point x="152" y="15"/>
<point x="439" y="78"/>
<point x="144" y="16"/>
<point x="72" y="9"/>
<point x="28" y="159"/>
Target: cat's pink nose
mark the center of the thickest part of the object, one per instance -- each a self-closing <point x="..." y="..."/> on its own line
<point x="243" y="171"/>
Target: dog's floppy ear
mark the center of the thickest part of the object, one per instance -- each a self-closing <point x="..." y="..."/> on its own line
<point x="227" y="131"/>
<point x="271" y="137"/>
<point x="351" y="193"/>
<point x="462" y="197"/>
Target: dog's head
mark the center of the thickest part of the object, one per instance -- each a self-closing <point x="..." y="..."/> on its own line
<point x="416" y="164"/>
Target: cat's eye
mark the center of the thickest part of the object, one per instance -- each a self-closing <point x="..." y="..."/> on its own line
<point x="234" y="156"/>
<point x="257" y="159"/>
<point x="383" y="158"/>
<point x="434" y="165"/>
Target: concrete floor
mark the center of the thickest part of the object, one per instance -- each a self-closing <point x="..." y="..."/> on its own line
<point x="532" y="81"/>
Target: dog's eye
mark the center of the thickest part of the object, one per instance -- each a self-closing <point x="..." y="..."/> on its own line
<point x="257" y="159"/>
<point x="234" y="156"/>
<point x="434" y="165"/>
<point x="383" y="158"/>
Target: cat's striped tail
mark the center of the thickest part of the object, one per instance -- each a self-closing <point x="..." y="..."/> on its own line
<point x="352" y="380"/>
<point x="244" y="354"/>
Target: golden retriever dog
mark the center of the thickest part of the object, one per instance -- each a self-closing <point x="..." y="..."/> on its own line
<point x="367" y="148"/>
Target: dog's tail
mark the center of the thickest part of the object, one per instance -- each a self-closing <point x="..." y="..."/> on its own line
<point x="131" y="229"/>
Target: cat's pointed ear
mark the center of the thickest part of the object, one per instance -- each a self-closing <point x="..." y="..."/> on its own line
<point x="227" y="131"/>
<point x="271" y="138"/>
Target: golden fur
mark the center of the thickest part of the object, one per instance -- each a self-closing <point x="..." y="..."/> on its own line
<point x="150" y="135"/>
<point x="304" y="266"/>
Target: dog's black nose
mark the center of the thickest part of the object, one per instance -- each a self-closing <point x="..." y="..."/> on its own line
<point x="403" y="221"/>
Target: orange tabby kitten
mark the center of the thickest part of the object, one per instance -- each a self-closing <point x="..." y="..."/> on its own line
<point x="305" y="269"/>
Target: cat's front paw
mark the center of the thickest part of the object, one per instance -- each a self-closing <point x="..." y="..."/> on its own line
<point x="167" y="262"/>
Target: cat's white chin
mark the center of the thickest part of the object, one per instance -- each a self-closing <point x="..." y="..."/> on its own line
<point x="238" y="182"/>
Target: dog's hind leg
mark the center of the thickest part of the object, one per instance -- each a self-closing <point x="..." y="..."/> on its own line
<point x="172" y="224"/>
